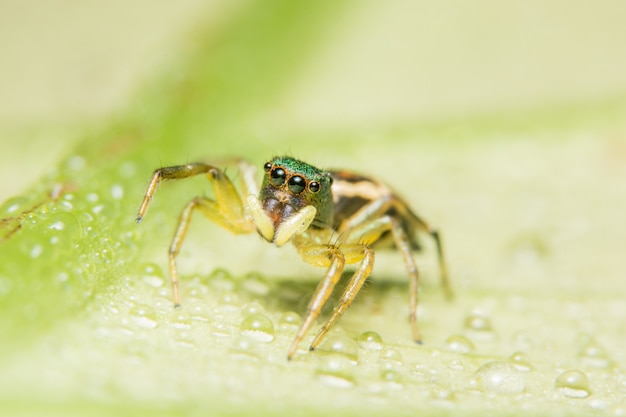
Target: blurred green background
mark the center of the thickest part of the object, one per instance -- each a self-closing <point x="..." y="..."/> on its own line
<point x="502" y="123"/>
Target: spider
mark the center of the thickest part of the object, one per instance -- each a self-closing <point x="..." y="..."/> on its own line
<point x="310" y="208"/>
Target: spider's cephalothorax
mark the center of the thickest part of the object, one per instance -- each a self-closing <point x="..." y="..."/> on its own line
<point x="333" y="218"/>
<point x="288" y="186"/>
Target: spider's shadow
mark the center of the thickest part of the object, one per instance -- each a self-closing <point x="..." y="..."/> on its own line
<point x="292" y="295"/>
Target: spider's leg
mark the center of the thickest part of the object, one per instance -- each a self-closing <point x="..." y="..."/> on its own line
<point x="227" y="209"/>
<point x="443" y="269"/>
<point x="320" y="255"/>
<point x="209" y="208"/>
<point x="401" y="241"/>
<point x="353" y="253"/>
<point x="169" y="173"/>
<point x="369" y="232"/>
<point x="395" y="207"/>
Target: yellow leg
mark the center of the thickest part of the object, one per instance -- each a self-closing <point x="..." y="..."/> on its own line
<point x="352" y="289"/>
<point x="319" y="255"/>
<point x="227" y="209"/>
<point x="169" y="173"/>
<point x="209" y="209"/>
<point x="443" y="269"/>
<point x="404" y="247"/>
<point x="370" y="232"/>
<point x="368" y="215"/>
<point x="335" y="259"/>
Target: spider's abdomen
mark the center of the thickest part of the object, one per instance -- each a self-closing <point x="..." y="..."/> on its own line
<point x="354" y="192"/>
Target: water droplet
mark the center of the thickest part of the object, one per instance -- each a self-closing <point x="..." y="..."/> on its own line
<point x="521" y="361"/>
<point x="255" y="284"/>
<point x="164" y="293"/>
<point x="229" y="302"/>
<point x="195" y="289"/>
<point x="456" y="365"/>
<point x="180" y="320"/>
<point x="128" y="169"/>
<point x="245" y="346"/>
<point x="336" y="379"/>
<point x="478" y="322"/>
<point x="36" y="251"/>
<point x="370" y="341"/>
<point x="258" y="327"/>
<point x="221" y="279"/>
<point x="443" y="398"/>
<point x="289" y="320"/>
<point x="252" y="308"/>
<point x="76" y="163"/>
<point x="392" y="377"/>
<point x="227" y="309"/>
<point x="63" y="277"/>
<point x="500" y="377"/>
<point x="390" y="358"/>
<point x="336" y="370"/>
<point x="573" y="384"/>
<point x="185" y="338"/>
<point x="459" y="344"/>
<point x="339" y="345"/>
<point x="199" y="312"/>
<point x="220" y="328"/>
<point x="117" y="192"/>
<point x="144" y="316"/>
<point x="479" y="326"/>
<point x="593" y="355"/>
<point x="13" y="207"/>
<point x="57" y="226"/>
<point x="523" y="341"/>
<point x="5" y="286"/>
<point x="152" y="274"/>
<point x="65" y="204"/>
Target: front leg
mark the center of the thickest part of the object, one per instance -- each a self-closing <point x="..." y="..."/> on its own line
<point x="225" y="191"/>
<point x="366" y="255"/>
<point x="227" y="209"/>
<point x="211" y="210"/>
<point x="319" y="255"/>
<point x="169" y="173"/>
<point x="335" y="258"/>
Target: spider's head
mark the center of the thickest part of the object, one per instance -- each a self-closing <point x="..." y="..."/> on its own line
<point x="289" y="186"/>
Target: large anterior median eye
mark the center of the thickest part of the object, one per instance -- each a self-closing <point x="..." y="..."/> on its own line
<point x="296" y="184"/>
<point x="278" y="176"/>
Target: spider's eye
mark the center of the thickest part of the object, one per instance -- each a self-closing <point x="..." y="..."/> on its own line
<point x="278" y="176"/>
<point x="296" y="184"/>
<point x="267" y="166"/>
<point x="314" y="186"/>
